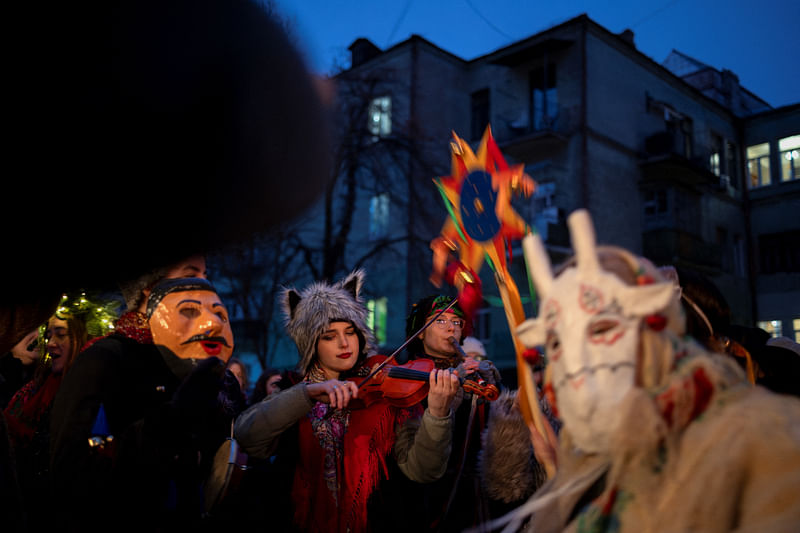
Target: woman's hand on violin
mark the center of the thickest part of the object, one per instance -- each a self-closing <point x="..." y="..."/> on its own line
<point x="335" y="392"/>
<point x="443" y="387"/>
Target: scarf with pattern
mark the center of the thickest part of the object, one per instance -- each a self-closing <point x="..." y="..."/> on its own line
<point x="342" y="459"/>
<point x="131" y="324"/>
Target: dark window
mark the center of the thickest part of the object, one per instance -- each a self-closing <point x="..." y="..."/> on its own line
<point x="730" y="164"/>
<point x="544" y="97"/>
<point x="483" y="325"/>
<point x="687" y="136"/>
<point x="378" y="217"/>
<point x="479" y="104"/>
<point x="738" y="256"/>
<point x="780" y="252"/>
<point x="726" y="256"/>
<point x="655" y="202"/>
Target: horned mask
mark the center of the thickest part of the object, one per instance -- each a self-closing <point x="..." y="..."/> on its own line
<point x="589" y="323"/>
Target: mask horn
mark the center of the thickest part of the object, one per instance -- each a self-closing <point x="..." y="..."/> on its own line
<point x="583" y="241"/>
<point x="538" y="263"/>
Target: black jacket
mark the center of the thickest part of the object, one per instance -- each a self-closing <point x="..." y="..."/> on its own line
<point x="166" y="417"/>
<point x="13" y="375"/>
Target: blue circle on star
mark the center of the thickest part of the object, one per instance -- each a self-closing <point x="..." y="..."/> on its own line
<point x="478" y="201"/>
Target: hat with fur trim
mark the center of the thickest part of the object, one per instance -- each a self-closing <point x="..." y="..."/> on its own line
<point x="309" y="312"/>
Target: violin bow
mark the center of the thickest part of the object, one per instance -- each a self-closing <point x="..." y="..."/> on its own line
<point x="407" y="341"/>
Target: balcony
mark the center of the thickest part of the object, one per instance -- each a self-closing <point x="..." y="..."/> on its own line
<point x="527" y="139"/>
<point x="672" y="246"/>
<point x="664" y="161"/>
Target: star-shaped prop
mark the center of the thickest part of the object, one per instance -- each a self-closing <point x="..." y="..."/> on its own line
<point x="482" y="222"/>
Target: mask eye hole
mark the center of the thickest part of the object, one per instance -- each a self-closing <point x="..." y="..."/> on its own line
<point x="190" y="312"/>
<point x="602" y="326"/>
<point x="553" y="346"/>
<point x="604" y="331"/>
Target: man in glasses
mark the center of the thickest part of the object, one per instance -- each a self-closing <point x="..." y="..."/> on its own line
<point x="455" y="502"/>
<point x="436" y="342"/>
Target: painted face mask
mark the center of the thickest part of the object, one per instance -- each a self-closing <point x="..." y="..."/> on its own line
<point x="589" y="322"/>
<point x="187" y="316"/>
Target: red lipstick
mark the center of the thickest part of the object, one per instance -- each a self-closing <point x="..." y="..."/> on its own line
<point x="212" y="348"/>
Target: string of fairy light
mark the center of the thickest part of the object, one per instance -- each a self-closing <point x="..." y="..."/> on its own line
<point x="98" y="318"/>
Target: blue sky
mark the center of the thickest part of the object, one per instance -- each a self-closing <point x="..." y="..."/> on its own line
<point x="759" y="41"/>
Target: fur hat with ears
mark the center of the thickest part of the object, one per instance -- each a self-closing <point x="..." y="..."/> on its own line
<point x="308" y="314"/>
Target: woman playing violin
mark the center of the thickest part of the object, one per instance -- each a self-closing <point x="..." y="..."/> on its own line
<point x="341" y="453"/>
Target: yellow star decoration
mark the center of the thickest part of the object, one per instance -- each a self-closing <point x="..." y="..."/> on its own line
<point x="478" y="196"/>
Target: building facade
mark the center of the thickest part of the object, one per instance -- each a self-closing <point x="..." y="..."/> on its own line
<point x="675" y="161"/>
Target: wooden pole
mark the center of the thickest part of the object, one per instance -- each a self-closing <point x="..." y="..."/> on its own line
<point x="528" y="399"/>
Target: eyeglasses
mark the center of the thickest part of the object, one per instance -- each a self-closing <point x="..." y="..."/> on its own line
<point x="442" y="323"/>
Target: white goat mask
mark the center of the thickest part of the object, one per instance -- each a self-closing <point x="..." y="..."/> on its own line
<point x="589" y="322"/>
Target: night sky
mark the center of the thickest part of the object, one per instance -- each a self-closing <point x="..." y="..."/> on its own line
<point x="759" y="41"/>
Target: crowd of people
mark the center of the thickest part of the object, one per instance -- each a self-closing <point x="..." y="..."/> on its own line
<point x="126" y="421"/>
<point x="658" y="413"/>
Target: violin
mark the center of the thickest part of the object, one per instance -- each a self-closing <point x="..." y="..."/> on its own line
<point x="406" y="385"/>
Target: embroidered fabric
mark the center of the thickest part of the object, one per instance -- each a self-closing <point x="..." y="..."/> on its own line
<point x="315" y="374"/>
<point x="330" y="431"/>
<point x="133" y="325"/>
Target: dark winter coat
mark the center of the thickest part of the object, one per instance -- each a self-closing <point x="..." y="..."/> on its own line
<point x="13" y="375"/>
<point x="461" y="481"/>
<point x="166" y="417"/>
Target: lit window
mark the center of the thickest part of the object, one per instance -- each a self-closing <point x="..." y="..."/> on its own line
<point x="380" y="116"/>
<point x="378" y="216"/>
<point x="796" y="327"/>
<point x="758" y="165"/>
<point x="376" y="318"/>
<point x="713" y="163"/>
<point x="773" y="327"/>
<point x="715" y="159"/>
<point x="789" y="148"/>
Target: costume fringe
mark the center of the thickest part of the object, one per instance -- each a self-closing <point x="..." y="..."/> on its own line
<point x="370" y="467"/>
<point x="514" y="519"/>
<point x="662" y="414"/>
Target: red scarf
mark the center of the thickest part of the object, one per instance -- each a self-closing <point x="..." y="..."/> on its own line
<point x="28" y="408"/>
<point x="131" y="324"/>
<point x="368" y="439"/>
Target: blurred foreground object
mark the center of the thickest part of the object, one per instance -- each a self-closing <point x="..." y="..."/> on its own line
<point x="659" y="434"/>
<point x="201" y="112"/>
